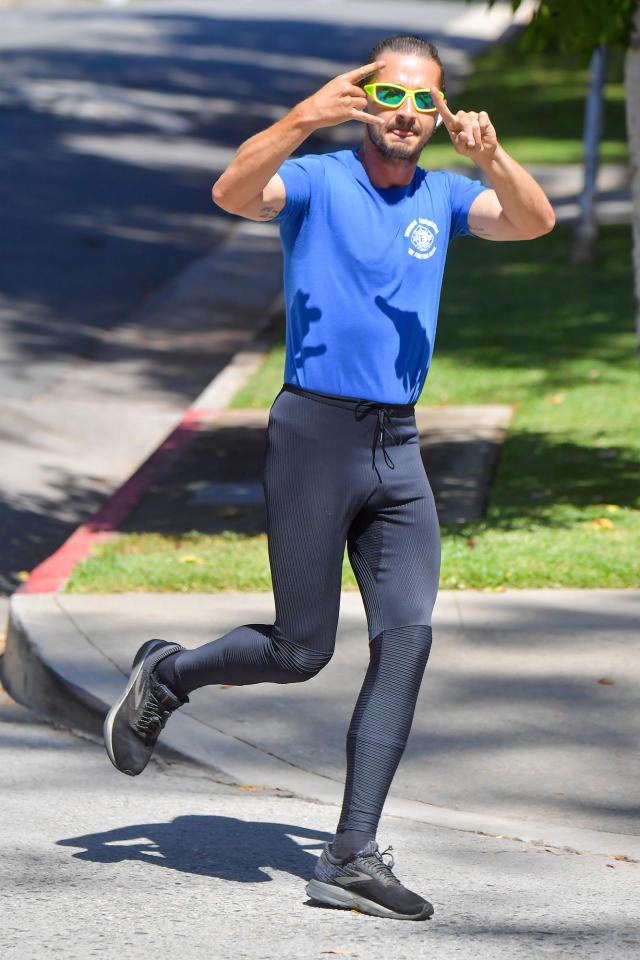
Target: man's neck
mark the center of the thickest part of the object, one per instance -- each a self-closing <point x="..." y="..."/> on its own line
<point x="384" y="172"/>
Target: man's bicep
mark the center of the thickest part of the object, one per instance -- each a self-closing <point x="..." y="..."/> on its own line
<point x="486" y="219"/>
<point x="269" y="203"/>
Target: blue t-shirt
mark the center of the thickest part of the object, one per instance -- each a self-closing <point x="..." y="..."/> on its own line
<point x="362" y="274"/>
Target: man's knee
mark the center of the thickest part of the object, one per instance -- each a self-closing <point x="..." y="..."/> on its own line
<point x="403" y="650"/>
<point x="298" y="663"/>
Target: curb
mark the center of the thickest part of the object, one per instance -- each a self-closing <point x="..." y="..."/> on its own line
<point x="32" y="680"/>
<point x="69" y="680"/>
<point x="50" y="575"/>
<point x="178" y="299"/>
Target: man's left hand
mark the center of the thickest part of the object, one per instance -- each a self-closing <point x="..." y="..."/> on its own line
<point x="472" y="134"/>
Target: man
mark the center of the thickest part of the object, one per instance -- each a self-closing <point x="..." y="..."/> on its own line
<point x="364" y="236"/>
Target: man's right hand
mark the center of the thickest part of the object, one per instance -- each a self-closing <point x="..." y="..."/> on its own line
<point x="250" y="186"/>
<point x="340" y="100"/>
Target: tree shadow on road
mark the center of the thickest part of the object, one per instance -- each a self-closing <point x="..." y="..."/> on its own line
<point x="223" y="847"/>
<point x="134" y="134"/>
<point x="36" y="524"/>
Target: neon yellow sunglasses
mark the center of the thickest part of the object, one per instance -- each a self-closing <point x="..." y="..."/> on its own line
<point x="394" y="94"/>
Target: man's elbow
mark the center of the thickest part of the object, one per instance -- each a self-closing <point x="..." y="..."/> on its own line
<point x="222" y="199"/>
<point x="548" y="221"/>
<point x="544" y="224"/>
<point x="219" y="197"/>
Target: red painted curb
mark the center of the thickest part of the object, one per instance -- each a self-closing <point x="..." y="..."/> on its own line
<point x="49" y="575"/>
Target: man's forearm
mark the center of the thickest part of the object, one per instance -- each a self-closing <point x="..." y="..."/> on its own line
<point x="523" y="201"/>
<point x="259" y="159"/>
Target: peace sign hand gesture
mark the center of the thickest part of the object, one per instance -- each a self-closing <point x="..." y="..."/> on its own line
<point x="341" y="99"/>
<point x="472" y="134"/>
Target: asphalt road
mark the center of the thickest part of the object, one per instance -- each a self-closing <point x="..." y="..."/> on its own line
<point x="94" y="222"/>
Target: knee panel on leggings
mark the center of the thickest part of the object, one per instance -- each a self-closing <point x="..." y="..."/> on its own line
<point x="385" y="708"/>
<point x="381" y="722"/>
<point x="295" y="663"/>
<point x="251" y="654"/>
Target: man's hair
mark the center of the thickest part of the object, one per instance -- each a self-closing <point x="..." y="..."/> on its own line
<point x="405" y="43"/>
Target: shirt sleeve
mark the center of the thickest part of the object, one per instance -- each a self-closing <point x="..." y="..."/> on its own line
<point x="299" y="177"/>
<point x="462" y="193"/>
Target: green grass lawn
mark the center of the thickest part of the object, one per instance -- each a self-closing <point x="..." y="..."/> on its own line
<point x="191" y="563"/>
<point x="519" y="324"/>
<point x="536" y="102"/>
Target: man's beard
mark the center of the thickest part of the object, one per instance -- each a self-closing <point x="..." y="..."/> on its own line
<point x="399" y="151"/>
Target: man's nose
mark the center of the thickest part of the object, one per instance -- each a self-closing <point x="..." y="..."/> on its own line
<point x="407" y="109"/>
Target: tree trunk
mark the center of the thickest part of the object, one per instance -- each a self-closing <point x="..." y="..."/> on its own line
<point x="632" y="90"/>
<point x="586" y="232"/>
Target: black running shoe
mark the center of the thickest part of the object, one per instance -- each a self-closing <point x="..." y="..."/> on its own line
<point x="364" y="882"/>
<point x="134" y="722"/>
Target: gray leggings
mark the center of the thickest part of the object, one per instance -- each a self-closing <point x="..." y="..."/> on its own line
<point x="339" y="470"/>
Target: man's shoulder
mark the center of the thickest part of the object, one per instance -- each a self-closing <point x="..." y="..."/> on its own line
<point x="448" y="178"/>
<point x="434" y="178"/>
<point x="336" y="159"/>
<point x="451" y="186"/>
<point x="323" y="162"/>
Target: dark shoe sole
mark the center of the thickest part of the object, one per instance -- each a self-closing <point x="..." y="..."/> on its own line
<point x="335" y="896"/>
<point x="107" y="728"/>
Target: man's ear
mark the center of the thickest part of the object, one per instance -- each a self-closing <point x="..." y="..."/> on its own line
<point x="438" y="121"/>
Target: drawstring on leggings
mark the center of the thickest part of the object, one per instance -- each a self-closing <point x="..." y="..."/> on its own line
<point x="384" y="427"/>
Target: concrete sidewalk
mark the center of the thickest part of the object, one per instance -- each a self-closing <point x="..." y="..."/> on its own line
<point x="527" y="724"/>
<point x="563" y="184"/>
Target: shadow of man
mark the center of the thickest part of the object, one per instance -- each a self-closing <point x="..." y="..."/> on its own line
<point x="305" y="316"/>
<point x="223" y="847"/>
<point x="414" y="346"/>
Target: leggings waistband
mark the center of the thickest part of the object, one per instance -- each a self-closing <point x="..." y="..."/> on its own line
<point x="384" y="428"/>
<point x="352" y="403"/>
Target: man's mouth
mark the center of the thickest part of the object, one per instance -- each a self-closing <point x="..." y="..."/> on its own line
<point x="401" y="133"/>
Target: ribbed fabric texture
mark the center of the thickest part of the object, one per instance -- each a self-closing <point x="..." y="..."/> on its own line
<point x="322" y="490"/>
<point x="250" y="654"/>
<point x="381" y="722"/>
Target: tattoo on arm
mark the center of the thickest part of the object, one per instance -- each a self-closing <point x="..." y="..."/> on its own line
<point x="480" y="231"/>
<point x="268" y="212"/>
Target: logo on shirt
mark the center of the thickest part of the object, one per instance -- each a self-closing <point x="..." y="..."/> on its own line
<point x="422" y="237"/>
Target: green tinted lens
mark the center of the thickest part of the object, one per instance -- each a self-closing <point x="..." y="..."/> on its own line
<point x="390" y="95"/>
<point x="423" y="100"/>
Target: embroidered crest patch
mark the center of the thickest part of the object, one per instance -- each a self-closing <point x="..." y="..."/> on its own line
<point x="422" y="236"/>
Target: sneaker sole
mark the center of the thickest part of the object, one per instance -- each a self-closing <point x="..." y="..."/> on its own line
<point x="335" y="896"/>
<point x="109" y="721"/>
